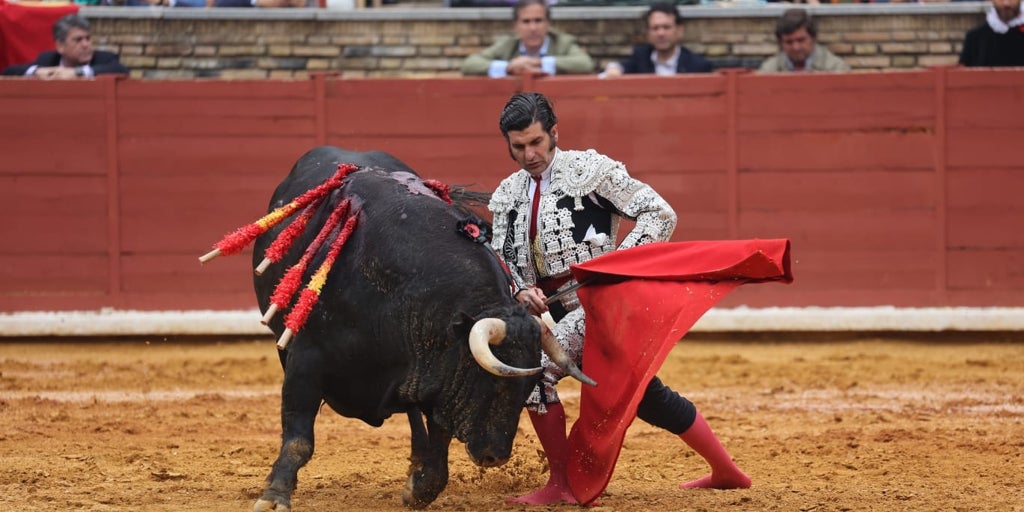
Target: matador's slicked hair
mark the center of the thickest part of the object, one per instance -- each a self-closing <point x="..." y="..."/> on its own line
<point x="524" y="109"/>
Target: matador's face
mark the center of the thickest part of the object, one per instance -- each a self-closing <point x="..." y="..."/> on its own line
<point x="533" y="148"/>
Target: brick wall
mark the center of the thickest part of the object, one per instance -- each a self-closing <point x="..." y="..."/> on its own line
<point x="425" y="42"/>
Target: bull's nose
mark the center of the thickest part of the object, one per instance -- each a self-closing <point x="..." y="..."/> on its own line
<point x="490" y="461"/>
<point x="487" y="457"/>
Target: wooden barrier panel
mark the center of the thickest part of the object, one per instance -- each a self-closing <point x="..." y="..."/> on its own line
<point x="896" y="188"/>
<point x="197" y="160"/>
<point x="985" y="177"/>
<point x="54" y="188"/>
<point x="843" y="165"/>
<point x="445" y="129"/>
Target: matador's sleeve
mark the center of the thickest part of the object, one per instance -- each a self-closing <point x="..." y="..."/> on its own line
<point x="505" y="239"/>
<point x="637" y="201"/>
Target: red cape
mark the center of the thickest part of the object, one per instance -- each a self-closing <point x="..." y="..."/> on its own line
<point x="640" y="302"/>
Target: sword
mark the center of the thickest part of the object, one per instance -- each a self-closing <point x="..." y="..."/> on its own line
<point x="567" y="291"/>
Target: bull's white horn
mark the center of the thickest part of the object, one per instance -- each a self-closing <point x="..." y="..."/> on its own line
<point x="487" y="332"/>
<point x="558" y="355"/>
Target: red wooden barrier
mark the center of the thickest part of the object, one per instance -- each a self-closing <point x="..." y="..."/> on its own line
<point x="896" y="189"/>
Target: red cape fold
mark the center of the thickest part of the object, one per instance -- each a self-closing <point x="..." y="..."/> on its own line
<point x="640" y="302"/>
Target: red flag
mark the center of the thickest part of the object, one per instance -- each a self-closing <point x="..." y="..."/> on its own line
<point x="639" y="303"/>
<point x="26" y="29"/>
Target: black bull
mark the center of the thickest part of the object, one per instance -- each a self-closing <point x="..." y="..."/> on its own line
<point x="391" y="332"/>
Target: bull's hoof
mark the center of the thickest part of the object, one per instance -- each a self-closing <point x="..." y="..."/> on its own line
<point x="410" y="501"/>
<point x="266" y="504"/>
<point x="421" y="491"/>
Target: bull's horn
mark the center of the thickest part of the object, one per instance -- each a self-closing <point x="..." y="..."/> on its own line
<point x="487" y="332"/>
<point x="554" y="350"/>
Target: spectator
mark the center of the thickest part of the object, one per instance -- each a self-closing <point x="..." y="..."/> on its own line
<point x="662" y="55"/>
<point x="74" y="57"/>
<point x="797" y="35"/>
<point x="534" y="49"/>
<point x="220" y="3"/>
<point x="999" y="41"/>
<point x="259" y="3"/>
<point x="169" y="3"/>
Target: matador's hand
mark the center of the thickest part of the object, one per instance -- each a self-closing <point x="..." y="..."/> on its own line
<point x="533" y="298"/>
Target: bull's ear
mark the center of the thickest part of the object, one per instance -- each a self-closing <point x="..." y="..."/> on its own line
<point x="461" y="324"/>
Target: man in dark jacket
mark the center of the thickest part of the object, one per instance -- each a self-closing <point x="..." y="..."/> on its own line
<point x="662" y="55"/>
<point x="74" y="57"/>
<point x="999" y="41"/>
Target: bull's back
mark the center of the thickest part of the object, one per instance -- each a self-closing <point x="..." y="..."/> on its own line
<point x="405" y="244"/>
<point x="407" y="239"/>
<point x="320" y="163"/>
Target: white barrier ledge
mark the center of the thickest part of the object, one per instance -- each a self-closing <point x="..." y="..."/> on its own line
<point x="876" y="318"/>
<point x="113" y="322"/>
<point x="110" y="322"/>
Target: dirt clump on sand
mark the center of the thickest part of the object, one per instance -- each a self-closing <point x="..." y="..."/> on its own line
<point x="820" y="425"/>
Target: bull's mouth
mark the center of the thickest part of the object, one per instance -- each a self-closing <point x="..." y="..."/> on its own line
<point x="486" y="458"/>
<point x="484" y="450"/>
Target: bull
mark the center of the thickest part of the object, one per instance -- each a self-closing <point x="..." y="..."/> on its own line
<point x="414" y="318"/>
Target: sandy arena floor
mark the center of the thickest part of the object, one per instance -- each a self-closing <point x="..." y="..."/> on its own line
<point x="820" y="425"/>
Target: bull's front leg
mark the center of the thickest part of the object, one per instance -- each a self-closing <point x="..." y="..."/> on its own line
<point x="300" y="402"/>
<point x="428" y="464"/>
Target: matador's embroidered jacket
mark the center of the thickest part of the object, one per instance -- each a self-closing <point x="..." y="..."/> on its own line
<point x="578" y="218"/>
<point x="578" y="215"/>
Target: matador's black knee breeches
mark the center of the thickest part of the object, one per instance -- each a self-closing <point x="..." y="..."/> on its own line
<point x="665" y="408"/>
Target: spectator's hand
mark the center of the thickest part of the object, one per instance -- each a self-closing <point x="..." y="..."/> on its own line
<point x="612" y="70"/>
<point x="523" y="65"/>
<point x="55" y="73"/>
<point x="533" y="298"/>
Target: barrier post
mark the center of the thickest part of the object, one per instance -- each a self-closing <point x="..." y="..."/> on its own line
<point x="941" y="200"/>
<point x="732" y="147"/>
<point x="110" y="84"/>
<point x="320" y="103"/>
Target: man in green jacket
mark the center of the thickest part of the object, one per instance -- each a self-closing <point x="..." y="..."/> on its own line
<point x="797" y="35"/>
<point x="535" y="49"/>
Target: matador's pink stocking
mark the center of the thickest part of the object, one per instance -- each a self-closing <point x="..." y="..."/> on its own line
<point x="724" y="472"/>
<point x="550" y="429"/>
